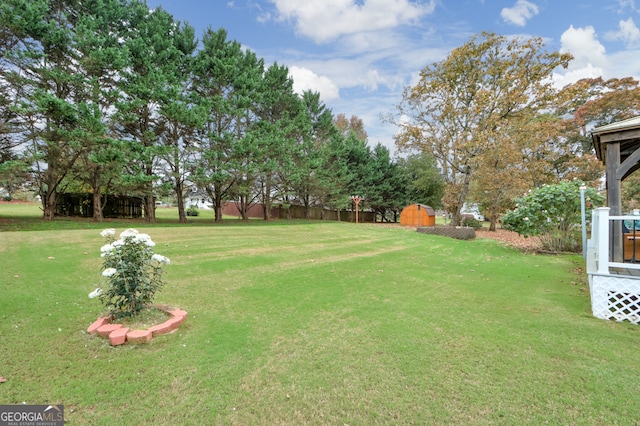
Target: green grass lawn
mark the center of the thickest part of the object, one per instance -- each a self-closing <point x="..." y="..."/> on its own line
<point x="316" y="323"/>
<point x="28" y="217"/>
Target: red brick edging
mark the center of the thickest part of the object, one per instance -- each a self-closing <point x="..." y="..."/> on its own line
<point x="118" y="334"/>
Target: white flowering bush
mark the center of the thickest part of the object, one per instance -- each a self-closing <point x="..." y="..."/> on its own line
<point x="553" y="214"/>
<point x="132" y="270"/>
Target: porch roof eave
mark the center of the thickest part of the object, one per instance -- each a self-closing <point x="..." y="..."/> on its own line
<point x="614" y="132"/>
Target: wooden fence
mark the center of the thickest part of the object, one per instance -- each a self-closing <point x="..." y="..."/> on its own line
<point x="298" y="212"/>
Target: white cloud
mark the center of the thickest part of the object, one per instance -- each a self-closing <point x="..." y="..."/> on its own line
<point x="571" y="76"/>
<point x="373" y="79"/>
<point x="363" y="72"/>
<point x="326" y="20"/>
<point x="583" y="44"/>
<point x="520" y="13"/>
<point x="624" y="63"/>
<point x="264" y="17"/>
<point x="304" y="79"/>
<point x="626" y="4"/>
<point x="369" y="41"/>
<point x="591" y="59"/>
<point x="628" y="32"/>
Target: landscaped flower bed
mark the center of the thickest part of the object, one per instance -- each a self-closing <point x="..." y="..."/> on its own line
<point x="134" y="274"/>
<point x="118" y="334"/>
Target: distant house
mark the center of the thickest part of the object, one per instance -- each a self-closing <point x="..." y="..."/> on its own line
<point x="472" y="210"/>
<point x="197" y="199"/>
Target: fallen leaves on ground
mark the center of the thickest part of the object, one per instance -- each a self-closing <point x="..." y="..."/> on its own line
<point x="510" y="238"/>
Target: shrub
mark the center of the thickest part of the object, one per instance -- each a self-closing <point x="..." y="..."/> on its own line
<point x="132" y="270"/>
<point x="192" y="211"/>
<point x="552" y="212"/>
<point x="471" y="222"/>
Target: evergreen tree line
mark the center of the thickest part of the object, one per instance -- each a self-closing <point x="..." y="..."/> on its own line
<point x="109" y="97"/>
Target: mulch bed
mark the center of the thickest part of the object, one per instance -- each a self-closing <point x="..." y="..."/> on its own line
<point x="510" y="238"/>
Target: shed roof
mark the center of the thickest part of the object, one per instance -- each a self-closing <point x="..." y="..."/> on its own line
<point x="429" y="209"/>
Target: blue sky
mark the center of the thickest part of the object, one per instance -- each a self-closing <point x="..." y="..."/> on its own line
<point x="360" y="54"/>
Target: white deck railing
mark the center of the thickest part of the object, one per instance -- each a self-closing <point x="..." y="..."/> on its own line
<point x="613" y="282"/>
<point x="602" y="233"/>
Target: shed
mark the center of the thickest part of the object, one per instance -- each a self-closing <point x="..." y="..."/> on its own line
<point x="418" y="215"/>
<point x="116" y="206"/>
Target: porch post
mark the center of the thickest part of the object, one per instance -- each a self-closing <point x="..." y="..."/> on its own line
<point x="614" y="200"/>
<point x="600" y="234"/>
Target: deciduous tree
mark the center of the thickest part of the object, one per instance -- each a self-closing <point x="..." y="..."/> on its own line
<point x="461" y="107"/>
<point x="590" y="103"/>
<point x="353" y="124"/>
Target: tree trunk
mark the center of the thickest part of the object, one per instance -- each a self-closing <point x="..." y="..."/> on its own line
<point x="266" y="200"/>
<point x="456" y="217"/>
<point x="493" y="215"/>
<point x="98" y="203"/>
<point x="217" y="213"/>
<point x="149" y="199"/>
<point x="287" y="207"/>
<point x="217" y="206"/>
<point x="307" y="210"/>
<point x="182" y="217"/>
<point x="243" y="208"/>
<point x="216" y="200"/>
<point x="97" y="206"/>
<point x="49" y="205"/>
<point x="149" y="205"/>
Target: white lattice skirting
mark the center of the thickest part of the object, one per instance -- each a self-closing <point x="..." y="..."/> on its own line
<point x="615" y="297"/>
